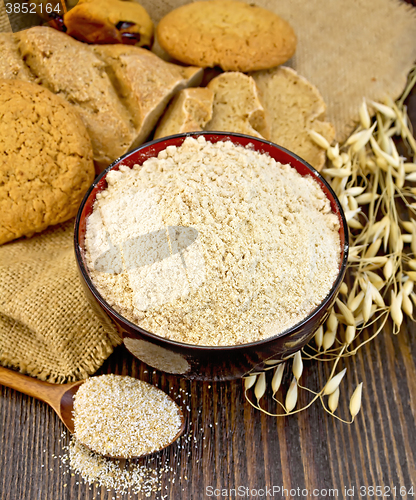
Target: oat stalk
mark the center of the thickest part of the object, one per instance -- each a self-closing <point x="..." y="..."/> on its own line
<point x="375" y="186"/>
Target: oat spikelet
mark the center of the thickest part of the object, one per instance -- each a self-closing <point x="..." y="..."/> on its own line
<point x="319" y="336"/>
<point x="385" y="110"/>
<point x="346" y="313"/>
<point x="328" y="339"/>
<point x="373" y="249"/>
<point x="260" y="387"/>
<point x="355" y="302"/>
<point x="388" y="269"/>
<point x="354" y="191"/>
<point x="333" y="400"/>
<point x="333" y="152"/>
<point x="376" y="295"/>
<point x="277" y="377"/>
<point x="355" y="401"/>
<point x="395" y="308"/>
<point x="332" y="322"/>
<point x="350" y="334"/>
<point x="412" y="275"/>
<point x="291" y="396"/>
<point x="408" y="287"/>
<point x="319" y="139"/>
<point x="334" y="382"/>
<point x="407" y="305"/>
<point x="297" y="366"/>
<point x="364" y="115"/>
<point x="367" y="303"/>
<point x="249" y="381"/>
<point x="366" y="198"/>
<point x="361" y="139"/>
<point x="337" y="172"/>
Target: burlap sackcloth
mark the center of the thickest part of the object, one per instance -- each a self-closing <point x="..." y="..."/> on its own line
<point x="47" y="328"/>
<point x="348" y="48"/>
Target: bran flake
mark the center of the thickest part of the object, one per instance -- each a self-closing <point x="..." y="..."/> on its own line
<point x="124" y="417"/>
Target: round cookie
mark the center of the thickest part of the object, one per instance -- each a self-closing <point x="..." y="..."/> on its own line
<point x="226" y="33"/>
<point x="45" y="159"/>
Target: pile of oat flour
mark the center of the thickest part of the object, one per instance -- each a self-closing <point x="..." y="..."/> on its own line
<point x="212" y="244"/>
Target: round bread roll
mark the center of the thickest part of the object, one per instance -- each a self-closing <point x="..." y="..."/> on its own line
<point x="233" y="35"/>
<point x="46" y="161"/>
<point x="110" y="21"/>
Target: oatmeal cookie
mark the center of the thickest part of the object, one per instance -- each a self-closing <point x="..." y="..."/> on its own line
<point x="226" y="33"/>
<point x="45" y="159"/>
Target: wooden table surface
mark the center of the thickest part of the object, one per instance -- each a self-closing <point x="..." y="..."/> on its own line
<point x="237" y="446"/>
<point x="309" y="455"/>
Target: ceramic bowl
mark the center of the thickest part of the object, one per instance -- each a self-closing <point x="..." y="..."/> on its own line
<point x="195" y="361"/>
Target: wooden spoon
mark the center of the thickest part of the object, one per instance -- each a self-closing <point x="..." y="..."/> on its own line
<point x="59" y="396"/>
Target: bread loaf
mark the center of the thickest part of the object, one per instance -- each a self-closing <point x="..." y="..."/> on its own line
<point x="294" y="106"/>
<point x="189" y="111"/>
<point x="237" y="106"/>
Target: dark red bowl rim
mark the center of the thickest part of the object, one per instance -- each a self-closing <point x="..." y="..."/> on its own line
<point x="257" y="343"/>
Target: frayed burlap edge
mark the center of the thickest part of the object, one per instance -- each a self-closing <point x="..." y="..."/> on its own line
<point x="87" y="367"/>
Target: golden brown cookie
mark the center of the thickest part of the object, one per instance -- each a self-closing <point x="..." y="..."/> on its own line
<point x="45" y="159"/>
<point x="233" y="35"/>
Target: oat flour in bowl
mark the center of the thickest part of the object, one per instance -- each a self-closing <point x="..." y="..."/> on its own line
<point x="212" y="244"/>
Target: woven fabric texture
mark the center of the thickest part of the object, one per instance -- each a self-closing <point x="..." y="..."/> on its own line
<point x="47" y="328"/>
